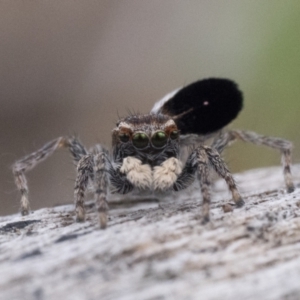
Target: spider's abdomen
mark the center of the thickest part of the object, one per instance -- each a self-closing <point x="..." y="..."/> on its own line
<point x="202" y="107"/>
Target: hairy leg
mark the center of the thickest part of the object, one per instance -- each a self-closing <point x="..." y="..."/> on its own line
<point x="222" y="170"/>
<point x="284" y="146"/>
<point x="199" y="161"/>
<point x="98" y="168"/>
<point x="101" y="185"/>
<point x="27" y="163"/>
<point x="85" y="171"/>
<point x="203" y="172"/>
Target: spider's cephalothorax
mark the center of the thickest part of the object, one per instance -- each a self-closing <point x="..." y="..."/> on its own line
<point x="151" y="138"/>
<point x="146" y="149"/>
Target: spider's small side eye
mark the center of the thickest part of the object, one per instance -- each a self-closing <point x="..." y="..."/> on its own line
<point x="140" y="140"/>
<point x="174" y="134"/>
<point x="124" y="137"/>
<point x="159" y="139"/>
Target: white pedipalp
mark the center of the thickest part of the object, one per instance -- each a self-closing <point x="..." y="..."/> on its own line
<point x="165" y="175"/>
<point x="140" y="175"/>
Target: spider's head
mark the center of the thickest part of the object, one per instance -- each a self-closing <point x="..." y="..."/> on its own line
<point x="145" y="135"/>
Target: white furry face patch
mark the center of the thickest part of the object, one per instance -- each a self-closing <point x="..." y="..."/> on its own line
<point x="159" y="178"/>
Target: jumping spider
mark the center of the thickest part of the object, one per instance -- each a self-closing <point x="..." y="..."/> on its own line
<point x="146" y="149"/>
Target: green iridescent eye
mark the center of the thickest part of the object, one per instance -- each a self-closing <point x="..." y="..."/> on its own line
<point x="174" y="134"/>
<point x="124" y="137"/>
<point x="140" y="140"/>
<point x="159" y="139"/>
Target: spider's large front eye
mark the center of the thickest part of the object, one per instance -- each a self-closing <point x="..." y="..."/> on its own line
<point x="124" y="137"/>
<point x="140" y="140"/>
<point x="159" y="139"/>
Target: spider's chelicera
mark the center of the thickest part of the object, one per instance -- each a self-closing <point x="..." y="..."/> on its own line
<point x="147" y="149"/>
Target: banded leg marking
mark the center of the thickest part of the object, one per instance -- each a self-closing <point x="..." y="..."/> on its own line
<point x="101" y="185"/>
<point x="285" y="147"/>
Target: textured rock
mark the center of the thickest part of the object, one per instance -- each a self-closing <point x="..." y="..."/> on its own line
<point x="160" y="250"/>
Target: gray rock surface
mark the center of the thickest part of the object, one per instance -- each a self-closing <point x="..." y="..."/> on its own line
<point x="160" y="250"/>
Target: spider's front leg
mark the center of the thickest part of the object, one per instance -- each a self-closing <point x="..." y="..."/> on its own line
<point x="98" y="168"/>
<point x="199" y="162"/>
<point x="85" y="171"/>
<point x="101" y="187"/>
<point x="92" y="167"/>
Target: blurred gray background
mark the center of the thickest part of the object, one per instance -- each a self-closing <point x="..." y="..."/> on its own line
<point x="73" y="66"/>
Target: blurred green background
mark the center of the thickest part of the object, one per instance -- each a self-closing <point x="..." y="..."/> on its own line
<point x="73" y="66"/>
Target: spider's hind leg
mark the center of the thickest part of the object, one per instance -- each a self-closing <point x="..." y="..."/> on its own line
<point x="284" y="146"/>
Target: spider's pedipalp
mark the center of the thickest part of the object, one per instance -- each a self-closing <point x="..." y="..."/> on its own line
<point x="165" y="175"/>
<point x="138" y="174"/>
